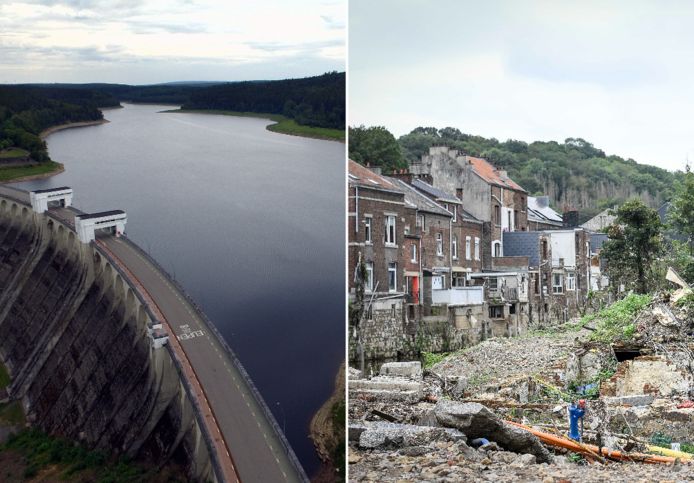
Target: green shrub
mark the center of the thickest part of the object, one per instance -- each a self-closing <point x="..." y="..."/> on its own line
<point x="616" y="322"/>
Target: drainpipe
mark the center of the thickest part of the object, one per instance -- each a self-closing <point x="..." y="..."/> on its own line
<point x="356" y="210"/>
<point x="450" y="251"/>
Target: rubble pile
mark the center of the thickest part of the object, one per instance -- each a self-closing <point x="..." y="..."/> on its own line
<point x="463" y="424"/>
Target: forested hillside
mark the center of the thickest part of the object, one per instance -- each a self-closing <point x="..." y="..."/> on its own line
<point x="25" y="111"/>
<point x="312" y="101"/>
<point x="573" y="173"/>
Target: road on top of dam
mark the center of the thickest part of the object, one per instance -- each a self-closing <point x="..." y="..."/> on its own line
<point x="255" y="447"/>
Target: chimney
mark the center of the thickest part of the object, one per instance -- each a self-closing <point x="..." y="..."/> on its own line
<point x="403" y="174"/>
<point x="376" y="170"/>
<point x="570" y="218"/>
<point x="502" y="173"/>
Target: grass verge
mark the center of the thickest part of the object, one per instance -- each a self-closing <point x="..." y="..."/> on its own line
<point x="4" y="376"/>
<point x="14" y="173"/>
<point x="13" y="153"/>
<point x="283" y="125"/>
<point x="53" y="459"/>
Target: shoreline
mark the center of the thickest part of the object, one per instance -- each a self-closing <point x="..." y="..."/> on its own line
<point x="322" y="431"/>
<point x="275" y="119"/>
<point x="59" y="169"/>
<point x="47" y="132"/>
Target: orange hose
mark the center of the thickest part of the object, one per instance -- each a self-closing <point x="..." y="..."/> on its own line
<point x="571" y="445"/>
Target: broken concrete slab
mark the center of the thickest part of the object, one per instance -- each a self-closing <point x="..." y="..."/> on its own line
<point x="633" y="400"/>
<point x="476" y="421"/>
<point x="387" y="388"/>
<point x="394" y="435"/>
<point x="412" y="370"/>
<point x="656" y="375"/>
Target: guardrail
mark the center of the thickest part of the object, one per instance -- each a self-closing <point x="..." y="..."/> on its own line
<point x="234" y="359"/>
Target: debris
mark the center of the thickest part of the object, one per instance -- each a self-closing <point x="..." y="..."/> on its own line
<point x="686" y="404"/>
<point x="413" y="370"/>
<point x="476" y="421"/>
<point x="392" y="435"/>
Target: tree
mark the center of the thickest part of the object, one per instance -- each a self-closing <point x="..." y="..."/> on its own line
<point x="635" y="241"/>
<point x="375" y="146"/>
<point x="681" y="212"/>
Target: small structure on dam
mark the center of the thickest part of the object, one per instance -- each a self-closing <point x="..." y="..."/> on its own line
<point x="41" y="200"/>
<point x="87" y="224"/>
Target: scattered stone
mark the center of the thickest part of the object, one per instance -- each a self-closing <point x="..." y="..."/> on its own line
<point x="476" y="421"/>
<point x="393" y="435"/>
<point x="412" y="370"/>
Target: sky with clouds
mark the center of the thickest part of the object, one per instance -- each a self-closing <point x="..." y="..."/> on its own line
<point x="152" y="41"/>
<point x="619" y="74"/>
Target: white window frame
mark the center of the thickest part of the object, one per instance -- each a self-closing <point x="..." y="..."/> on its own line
<point x="391" y="235"/>
<point x="477" y="248"/>
<point x="439" y="244"/>
<point x="369" y="282"/>
<point x="368" y="229"/>
<point x="570" y="281"/>
<point x="468" y="248"/>
<point x="496" y="243"/>
<point x="413" y="253"/>
<point x="557" y="288"/>
<point x="454" y="247"/>
<point x="392" y="269"/>
<point x="455" y="213"/>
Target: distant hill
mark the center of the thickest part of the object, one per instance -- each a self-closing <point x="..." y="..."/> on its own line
<point x="317" y="101"/>
<point x="312" y="101"/>
<point x="573" y="173"/>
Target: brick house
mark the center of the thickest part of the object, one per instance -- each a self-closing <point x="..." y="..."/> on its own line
<point x="487" y="193"/>
<point x="466" y="238"/>
<point x="433" y="224"/>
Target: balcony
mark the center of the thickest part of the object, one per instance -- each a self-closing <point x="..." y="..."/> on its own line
<point x="458" y="296"/>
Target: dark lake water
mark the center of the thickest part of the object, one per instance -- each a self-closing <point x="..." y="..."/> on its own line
<point x="249" y="221"/>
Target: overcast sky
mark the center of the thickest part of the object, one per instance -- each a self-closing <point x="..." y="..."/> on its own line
<point x="151" y="41"/>
<point x="618" y="74"/>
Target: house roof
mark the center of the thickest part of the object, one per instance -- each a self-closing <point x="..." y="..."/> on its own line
<point x="417" y="199"/>
<point x="538" y="210"/>
<point x="492" y="175"/>
<point x="435" y="192"/>
<point x="363" y="176"/>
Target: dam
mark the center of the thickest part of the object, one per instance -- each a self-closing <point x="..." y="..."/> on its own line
<point x="105" y="348"/>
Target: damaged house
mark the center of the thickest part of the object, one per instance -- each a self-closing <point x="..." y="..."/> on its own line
<point x="559" y="268"/>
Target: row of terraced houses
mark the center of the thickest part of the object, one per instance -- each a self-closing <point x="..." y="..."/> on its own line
<point x="455" y="251"/>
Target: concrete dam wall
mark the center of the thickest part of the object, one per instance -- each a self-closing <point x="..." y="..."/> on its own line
<point x="74" y="337"/>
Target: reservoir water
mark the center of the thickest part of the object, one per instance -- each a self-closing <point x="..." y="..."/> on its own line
<point x="249" y="221"/>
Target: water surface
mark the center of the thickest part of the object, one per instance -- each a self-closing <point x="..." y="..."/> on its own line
<point x="249" y="221"/>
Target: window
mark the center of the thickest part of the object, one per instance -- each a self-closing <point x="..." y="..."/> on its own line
<point x="421" y="222"/>
<point x="467" y="248"/>
<point x="457" y="280"/>
<point x="455" y="213"/>
<point x="510" y="221"/>
<point x="570" y="281"/>
<point x="477" y="248"/>
<point x="369" y="282"/>
<point x="496" y="249"/>
<point x="497" y="215"/>
<point x="414" y="252"/>
<point x="516" y="219"/>
<point x="454" y="247"/>
<point x="437" y="282"/>
<point x="496" y="311"/>
<point x="557" y="283"/>
<point x="439" y="244"/>
<point x="390" y="230"/>
<point x="367" y="230"/>
<point x="392" y="277"/>
<point x="493" y="283"/>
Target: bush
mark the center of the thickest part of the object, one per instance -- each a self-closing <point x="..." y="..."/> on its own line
<point x="616" y="322"/>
